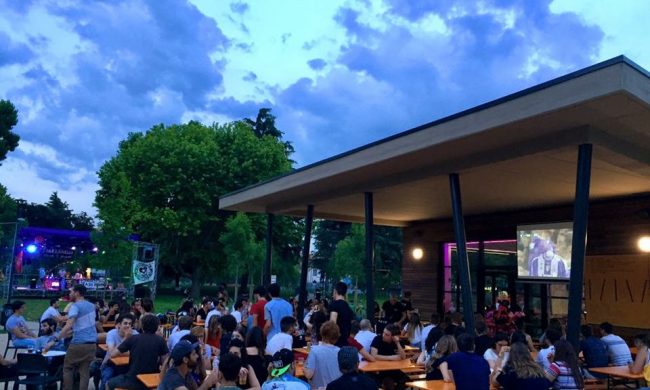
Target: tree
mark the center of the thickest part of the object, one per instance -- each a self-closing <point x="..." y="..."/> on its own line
<point x="327" y="234"/>
<point x="243" y="252"/>
<point x="7" y="214"/>
<point x="8" y="119"/>
<point x="56" y="214"/>
<point x="264" y="125"/>
<point x="350" y="255"/>
<point x="165" y="185"/>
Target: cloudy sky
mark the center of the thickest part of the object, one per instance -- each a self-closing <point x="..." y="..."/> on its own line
<point x="338" y="74"/>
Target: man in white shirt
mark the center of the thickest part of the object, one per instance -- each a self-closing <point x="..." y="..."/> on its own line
<point x="214" y="312"/>
<point x="123" y="330"/>
<point x="52" y="311"/>
<point x="365" y="335"/>
<point x="284" y="339"/>
<point x="184" y="326"/>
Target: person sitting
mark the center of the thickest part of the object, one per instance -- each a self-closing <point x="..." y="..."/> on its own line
<point x="231" y="372"/>
<point x="321" y="367"/>
<point x="363" y="353"/>
<point x="351" y="378"/>
<point x="365" y="335"/>
<point x="49" y="339"/>
<point x="184" y="326"/>
<point x="544" y="356"/>
<point x="20" y="334"/>
<point x="178" y="375"/>
<point x="123" y="330"/>
<point x="482" y="341"/>
<point x="146" y="350"/>
<point x="283" y="339"/>
<point x="228" y="325"/>
<point x="435" y="324"/>
<point x="594" y="352"/>
<point x="413" y="330"/>
<point x="520" y="370"/>
<point x="493" y="353"/>
<point x="255" y="346"/>
<point x="387" y="346"/>
<point x="642" y="359"/>
<point x="202" y="313"/>
<point x="443" y="349"/>
<point x="564" y="372"/>
<point x="283" y="368"/>
<point x="617" y="350"/>
<point x="53" y="312"/>
<point x="213" y="335"/>
<point x="470" y="371"/>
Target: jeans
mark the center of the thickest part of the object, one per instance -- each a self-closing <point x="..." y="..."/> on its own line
<point x="24" y="343"/>
<point x="78" y="358"/>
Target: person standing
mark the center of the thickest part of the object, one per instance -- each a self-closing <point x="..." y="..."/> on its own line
<point x="256" y="312"/>
<point x="275" y="311"/>
<point x="81" y="352"/>
<point x="393" y="311"/>
<point x="341" y="313"/>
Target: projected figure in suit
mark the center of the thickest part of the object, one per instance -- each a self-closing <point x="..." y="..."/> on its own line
<point x="547" y="264"/>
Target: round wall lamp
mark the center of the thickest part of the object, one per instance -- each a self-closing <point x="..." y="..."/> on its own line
<point x="417" y="253"/>
<point x="644" y="244"/>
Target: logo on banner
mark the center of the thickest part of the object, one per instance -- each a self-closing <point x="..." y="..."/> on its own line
<point x="143" y="272"/>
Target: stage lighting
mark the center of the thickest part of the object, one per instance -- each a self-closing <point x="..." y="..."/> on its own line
<point x="31" y="248"/>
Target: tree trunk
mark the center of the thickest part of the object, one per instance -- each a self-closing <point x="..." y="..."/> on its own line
<point x="177" y="279"/>
<point x="195" y="292"/>
<point x="243" y="283"/>
<point x="237" y="283"/>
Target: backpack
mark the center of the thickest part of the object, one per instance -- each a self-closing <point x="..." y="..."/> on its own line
<point x="7" y="311"/>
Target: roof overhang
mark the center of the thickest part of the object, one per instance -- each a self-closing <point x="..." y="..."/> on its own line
<point x="516" y="152"/>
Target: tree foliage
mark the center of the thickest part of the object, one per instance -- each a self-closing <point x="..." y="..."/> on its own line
<point x="327" y="234"/>
<point x="165" y="185"/>
<point x="243" y="251"/>
<point x="8" y="119"/>
<point x="264" y="125"/>
<point x="7" y="214"/>
<point x="56" y="214"/>
<point x="349" y="255"/>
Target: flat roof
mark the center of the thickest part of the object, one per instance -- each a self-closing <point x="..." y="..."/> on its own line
<point x="515" y="152"/>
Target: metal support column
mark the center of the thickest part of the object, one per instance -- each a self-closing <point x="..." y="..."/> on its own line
<point x="309" y="219"/>
<point x="12" y="262"/>
<point x="579" y="243"/>
<point x="266" y="274"/>
<point x="480" y="279"/>
<point x="370" y="257"/>
<point x="461" y="247"/>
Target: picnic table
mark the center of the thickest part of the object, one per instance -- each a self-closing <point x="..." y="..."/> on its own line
<point x="108" y="325"/>
<point x="103" y="347"/>
<point x="151" y="381"/>
<point x="617" y="374"/>
<point x="386" y="365"/>
<point x="120" y="360"/>
<point x="431" y="385"/>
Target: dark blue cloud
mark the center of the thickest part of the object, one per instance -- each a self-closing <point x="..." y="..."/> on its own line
<point x="250" y="76"/>
<point x="392" y="80"/>
<point x="13" y="52"/>
<point x="239" y="7"/>
<point x="317" y="63"/>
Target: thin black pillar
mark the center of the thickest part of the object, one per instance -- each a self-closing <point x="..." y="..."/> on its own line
<point x="579" y="243"/>
<point x="266" y="275"/>
<point x="480" y="279"/>
<point x="461" y="247"/>
<point x="544" y="298"/>
<point x="370" y="257"/>
<point x="309" y="219"/>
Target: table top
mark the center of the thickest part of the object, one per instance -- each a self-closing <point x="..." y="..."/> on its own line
<point x="198" y="323"/>
<point x="431" y="385"/>
<point x="53" y="353"/>
<point x="385" y="365"/>
<point x="103" y="347"/>
<point x="108" y="325"/>
<point x="150" y="380"/>
<point x="303" y="350"/>
<point x="120" y="360"/>
<point x="617" y="371"/>
<point x="409" y="348"/>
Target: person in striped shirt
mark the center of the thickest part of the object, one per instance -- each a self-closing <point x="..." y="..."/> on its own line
<point x="617" y="350"/>
<point x="564" y="371"/>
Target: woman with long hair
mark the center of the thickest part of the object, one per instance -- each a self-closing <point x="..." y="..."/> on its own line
<point x="564" y="371"/>
<point x="499" y="347"/>
<point x="255" y="347"/>
<point x="413" y="330"/>
<point x="520" y="372"/>
<point x="445" y="347"/>
<point x="213" y="335"/>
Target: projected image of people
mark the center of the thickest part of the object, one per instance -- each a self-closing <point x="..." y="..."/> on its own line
<point x="547" y="263"/>
<point x="544" y="251"/>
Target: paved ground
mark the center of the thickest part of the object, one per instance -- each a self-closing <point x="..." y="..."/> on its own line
<point x="3" y="342"/>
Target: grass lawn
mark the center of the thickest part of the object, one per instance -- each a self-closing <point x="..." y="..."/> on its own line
<point x="34" y="308"/>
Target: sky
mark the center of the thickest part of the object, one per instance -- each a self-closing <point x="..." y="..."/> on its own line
<point x="337" y="74"/>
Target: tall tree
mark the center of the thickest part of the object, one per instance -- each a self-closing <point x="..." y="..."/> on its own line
<point x="327" y="234"/>
<point x="56" y="213"/>
<point x="242" y="250"/>
<point x="264" y="125"/>
<point x="165" y="185"/>
<point x="7" y="214"/>
<point x="8" y="119"/>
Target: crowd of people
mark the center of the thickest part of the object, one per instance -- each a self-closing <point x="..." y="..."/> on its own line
<point x="250" y="345"/>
